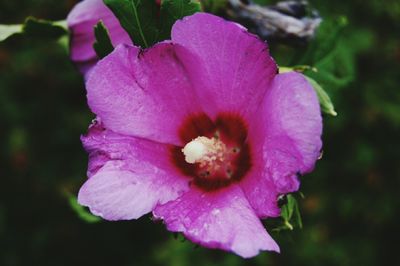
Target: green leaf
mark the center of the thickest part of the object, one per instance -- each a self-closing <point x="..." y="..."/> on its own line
<point x="333" y="53"/>
<point x="328" y="35"/>
<point x="44" y="29"/>
<point x="138" y="18"/>
<point x="287" y="209"/>
<point x="80" y="210"/>
<point x="213" y="6"/>
<point x="102" y="45"/>
<point x="290" y="214"/>
<point x="171" y="11"/>
<point x="324" y="99"/>
<point x="37" y="28"/>
<point x="9" y="30"/>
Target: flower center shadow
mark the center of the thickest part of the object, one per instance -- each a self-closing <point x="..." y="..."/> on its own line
<point x="216" y="152"/>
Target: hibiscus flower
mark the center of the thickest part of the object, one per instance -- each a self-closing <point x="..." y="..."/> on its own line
<point x="202" y="132"/>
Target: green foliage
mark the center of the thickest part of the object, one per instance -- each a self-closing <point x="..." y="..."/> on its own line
<point x="171" y="11"/>
<point x="264" y="2"/>
<point x="141" y="20"/>
<point x="44" y="29"/>
<point x="333" y="53"/>
<point x="213" y="6"/>
<point x="290" y="214"/>
<point x="102" y="45"/>
<point x="138" y="18"/>
<point x="37" y="28"/>
<point x="323" y="97"/>
<point x="328" y="35"/>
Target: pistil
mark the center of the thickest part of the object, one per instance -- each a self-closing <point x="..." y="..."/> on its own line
<point x="204" y="150"/>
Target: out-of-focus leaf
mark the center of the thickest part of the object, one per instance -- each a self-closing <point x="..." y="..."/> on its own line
<point x="35" y="28"/>
<point x="138" y="18"/>
<point x="263" y="2"/>
<point x="64" y="43"/>
<point x="80" y="210"/>
<point x="213" y="6"/>
<point x="172" y="10"/>
<point x="324" y="99"/>
<point x="333" y="53"/>
<point x="44" y="29"/>
<point x="337" y="68"/>
<point x="9" y="30"/>
<point x="328" y="35"/>
<point x="102" y="45"/>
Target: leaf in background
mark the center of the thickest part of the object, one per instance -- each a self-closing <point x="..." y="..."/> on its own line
<point x="213" y="6"/>
<point x="102" y="45"/>
<point x="327" y="38"/>
<point x="138" y="18"/>
<point x="333" y="53"/>
<point x="80" y="210"/>
<point x="324" y="99"/>
<point x="171" y="11"/>
<point x="44" y="29"/>
<point x="9" y="30"/>
<point x="34" y="27"/>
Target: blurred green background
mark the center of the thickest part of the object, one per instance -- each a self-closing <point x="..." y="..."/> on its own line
<point x="351" y="205"/>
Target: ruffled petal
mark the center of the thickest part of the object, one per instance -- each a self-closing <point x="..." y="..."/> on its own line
<point x="128" y="176"/>
<point x="221" y="219"/>
<point x="233" y="66"/>
<point x="81" y="21"/>
<point x="286" y="133"/>
<point x="144" y="94"/>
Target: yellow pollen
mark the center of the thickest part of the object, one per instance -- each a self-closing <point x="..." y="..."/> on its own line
<point x="204" y="151"/>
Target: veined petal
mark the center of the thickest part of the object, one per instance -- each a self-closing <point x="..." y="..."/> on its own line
<point x="233" y="66"/>
<point x="144" y="94"/>
<point x="287" y="131"/>
<point x="129" y="176"/>
<point x="222" y="219"/>
<point x="261" y="192"/>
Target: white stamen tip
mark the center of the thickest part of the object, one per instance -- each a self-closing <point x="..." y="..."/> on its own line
<point x="194" y="151"/>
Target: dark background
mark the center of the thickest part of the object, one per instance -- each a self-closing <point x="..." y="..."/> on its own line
<point x="351" y="205"/>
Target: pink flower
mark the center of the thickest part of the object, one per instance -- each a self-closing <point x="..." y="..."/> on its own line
<point x="81" y="21"/>
<point x="202" y="132"/>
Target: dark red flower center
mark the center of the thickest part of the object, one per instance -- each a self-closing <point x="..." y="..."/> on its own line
<point x="226" y="153"/>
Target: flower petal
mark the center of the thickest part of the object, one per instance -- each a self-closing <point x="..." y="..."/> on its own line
<point x="144" y="94"/>
<point x="129" y="176"/>
<point x="81" y="21"/>
<point x="234" y="66"/>
<point x="262" y="194"/>
<point x="221" y="219"/>
<point x="287" y="131"/>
